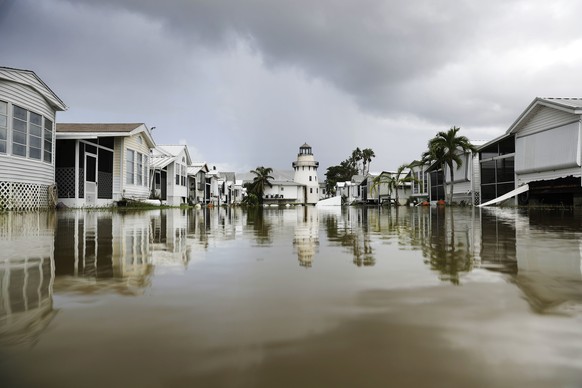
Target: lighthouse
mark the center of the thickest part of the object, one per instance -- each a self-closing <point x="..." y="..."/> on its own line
<point x="305" y="168"/>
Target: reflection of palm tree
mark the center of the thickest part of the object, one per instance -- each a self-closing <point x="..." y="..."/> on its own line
<point x="448" y="258"/>
<point x="355" y="239"/>
<point x="261" y="227"/>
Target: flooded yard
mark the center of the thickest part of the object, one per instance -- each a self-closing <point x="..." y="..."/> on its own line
<point x="300" y="297"/>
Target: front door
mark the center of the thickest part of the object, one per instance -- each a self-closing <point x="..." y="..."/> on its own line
<point x="90" y="179"/>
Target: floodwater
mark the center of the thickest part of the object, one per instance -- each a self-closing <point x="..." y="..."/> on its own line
<point x="300" y="297"/>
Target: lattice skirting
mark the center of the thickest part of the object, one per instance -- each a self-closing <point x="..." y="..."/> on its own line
<point x="26" y="196"/>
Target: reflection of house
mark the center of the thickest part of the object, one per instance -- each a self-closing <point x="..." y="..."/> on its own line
<point x="99" y="164"/>
<point x="26" y="275"/>
<point x="169" y="168"/>
<point x="27" y="138"/>
<point x="96" y="245"/>
<point x="169" y="245"/>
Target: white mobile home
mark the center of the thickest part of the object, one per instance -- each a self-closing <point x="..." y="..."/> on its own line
<point x="197" y="183"/>
<point x="100" y="164"/>
<point x="548" y="150"/>
<point x="27" y="140"/>
<point x="170" y="173"/>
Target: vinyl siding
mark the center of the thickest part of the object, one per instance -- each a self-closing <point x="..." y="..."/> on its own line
<point x="120" y="187"/>
<point x="553" y="149"/>
<point x="20" y="169"/>
<point x="545" y="118"/>
<point x="23" y="78"/>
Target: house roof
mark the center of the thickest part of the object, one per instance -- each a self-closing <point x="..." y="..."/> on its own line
<point x="29" y="78"/>
<point x="174" y="151"/>
<point x="194" y="168"/>
<point x="93" y="130"/>
<point x="228" y="176"/>
<point x="278" y="175"/>
<point x="569" y="105"/>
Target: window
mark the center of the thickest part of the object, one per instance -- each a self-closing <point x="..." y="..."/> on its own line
<point x="139" y="165"/>
<point x="32" y="134"/>
<point x="35" y="136"/>
<point x="3" y="126"/>
<point x="19" y="120"/>
<point x="146" y="170"/>
<point x="309" y="178"/>
<point x="178" y="171"/>
<point x="48" y="140"/>
<point x="311" y="190"/>
<point x="130" y="166"/>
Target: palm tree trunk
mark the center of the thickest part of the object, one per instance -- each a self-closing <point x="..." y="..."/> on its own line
<point x="450" y="201"/>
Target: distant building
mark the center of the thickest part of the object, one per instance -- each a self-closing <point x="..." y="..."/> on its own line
<point x="27" y="140"/>
<point x="305" y="168"/>
<point x="169" y="168"/>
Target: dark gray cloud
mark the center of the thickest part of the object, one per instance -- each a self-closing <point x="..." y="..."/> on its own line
<point x="247" y="82"/>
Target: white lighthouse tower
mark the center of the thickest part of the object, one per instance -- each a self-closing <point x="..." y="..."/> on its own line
<point x="306" y="174"/>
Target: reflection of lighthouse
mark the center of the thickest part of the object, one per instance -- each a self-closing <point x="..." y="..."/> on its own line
<point x="306" y="235"/>
<point x="306" y="174"/>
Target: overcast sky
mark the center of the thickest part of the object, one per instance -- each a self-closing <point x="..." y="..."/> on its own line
<point x="246" y="83"/>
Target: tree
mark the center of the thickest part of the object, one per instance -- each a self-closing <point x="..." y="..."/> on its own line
<point x="367" y="155"/>
<point x="260" y="181"/>
<point x="347" y="168"/>
<point x="445" y="149"/>
<point x="356" y="158"/>
<point x="400" y="179"/>
<point x="393" y="181"/>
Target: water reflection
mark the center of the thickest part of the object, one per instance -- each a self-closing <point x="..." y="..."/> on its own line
<point x="351" y="230"/>
<point x="26" y="275"/>
<point x="94" y="247"/>
<point x="94" y="252"/>
<point x="306" y="237"/>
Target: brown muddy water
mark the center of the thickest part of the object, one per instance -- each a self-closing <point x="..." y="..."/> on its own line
<point x="299" y="297"/>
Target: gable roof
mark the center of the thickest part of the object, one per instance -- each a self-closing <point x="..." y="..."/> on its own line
<point x="30" y="79"/>
<point x="569" y="105"/>
<point x="175" y="150"/>
<point x="93" y="130"/>
<point x="196" y="167"/>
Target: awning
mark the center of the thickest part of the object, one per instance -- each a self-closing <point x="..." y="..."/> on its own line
<point x="512" y="193"/>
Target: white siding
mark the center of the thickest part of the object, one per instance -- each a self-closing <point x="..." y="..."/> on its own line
<point x="20" y="169"/>
<point x="552" y="149"/>
<point x="120" y="187"/>
<point x="28" y="78"/>
<point x="545" y="118"/>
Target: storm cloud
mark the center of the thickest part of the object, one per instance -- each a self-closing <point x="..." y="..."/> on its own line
<point x="245" y="83"/>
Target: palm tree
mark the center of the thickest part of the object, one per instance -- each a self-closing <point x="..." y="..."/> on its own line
<point x="393" y="181"/>
<point x="356" y="157"/>
<point x="367" y="155"/>
<point x="387" y="179"/>
<point x="399" y="179"/>
<point x="444" y="149"/>
<point x="261" y="180"/>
